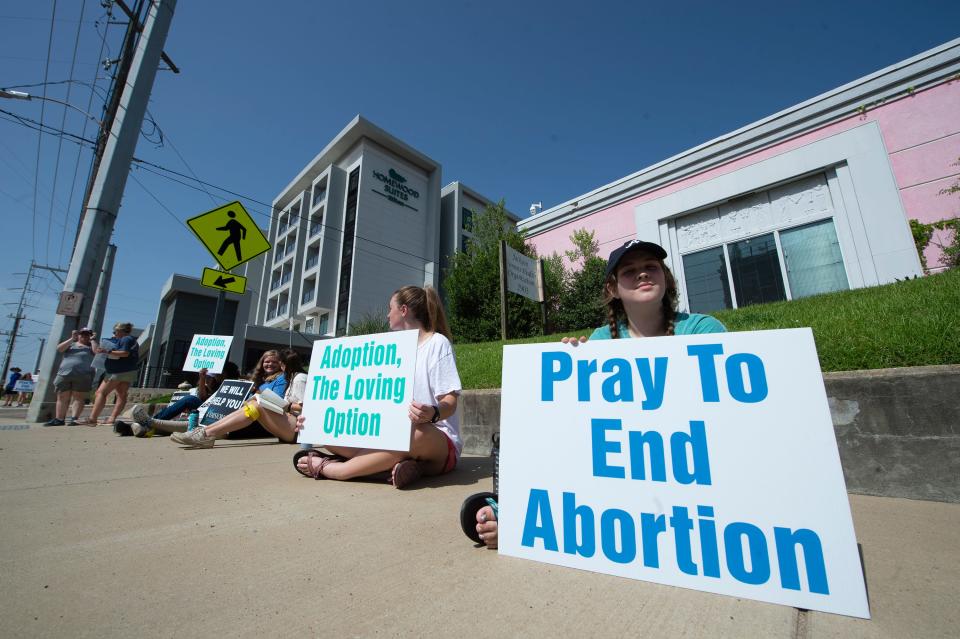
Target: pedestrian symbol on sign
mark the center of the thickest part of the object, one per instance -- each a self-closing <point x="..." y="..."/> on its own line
<point x="230" y="234"/>
<point x="237" y="233"/>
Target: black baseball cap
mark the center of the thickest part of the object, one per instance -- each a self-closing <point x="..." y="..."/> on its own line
<point x="629" y="247"/>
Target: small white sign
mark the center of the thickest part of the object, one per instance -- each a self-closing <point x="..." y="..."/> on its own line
<point x="359" y="391"/>
<point x="24" y="386"/>
<point x="704" y="461"/>
<point x="69" y="304"/>
<point x="522" y="277"/>
<point x="209" y="352"/>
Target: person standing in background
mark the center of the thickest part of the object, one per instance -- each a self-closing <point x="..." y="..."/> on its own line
<point x="121" y="367"/>
<point x="25" y="395"/>
<point x="8" y="393"/>
<point x="74" y="377"/>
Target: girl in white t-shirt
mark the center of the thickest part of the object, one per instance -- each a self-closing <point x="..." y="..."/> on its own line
<point x="435" y="441"/>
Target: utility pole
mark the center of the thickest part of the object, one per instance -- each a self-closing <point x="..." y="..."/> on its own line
<point x="122" y="72"/>
<point x="99" y="307"/>
<point x="17" y="318"/>
<point x="43" y="342"/>
<point x="105" y="197"/>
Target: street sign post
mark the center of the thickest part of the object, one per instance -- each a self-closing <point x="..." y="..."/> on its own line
<point x="230" y="234"/>
<point x="221" y="281"/>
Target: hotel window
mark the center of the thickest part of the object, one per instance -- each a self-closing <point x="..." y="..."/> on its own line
<point x="319" y="193"/>
<point x="346" y="256"/>
<point x="316" y="224"/>
<point x="309" y="288"/>
<point x="313" y="257"/>
<point x="467" y="222"/>
<point x="324" y="321"/>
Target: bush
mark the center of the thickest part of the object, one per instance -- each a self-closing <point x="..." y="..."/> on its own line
<point x="472" y="282"/>
<point x="370" y="323"/>
<point x="910" y="323"/>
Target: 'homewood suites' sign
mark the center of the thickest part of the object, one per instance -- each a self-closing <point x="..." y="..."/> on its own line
<point x="395" y="188"/>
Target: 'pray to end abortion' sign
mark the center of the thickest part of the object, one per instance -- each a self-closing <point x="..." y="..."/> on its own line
<point x="209" y="352"/>
<point x="359" y="391"/>
<point x="705" y="461"/>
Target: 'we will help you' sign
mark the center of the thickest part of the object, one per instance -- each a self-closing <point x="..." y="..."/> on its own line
<point x="704" y="461"/>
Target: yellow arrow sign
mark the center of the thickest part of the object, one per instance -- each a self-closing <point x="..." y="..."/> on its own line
<point x="224" y="281"/>
<point x="230" y="234"/>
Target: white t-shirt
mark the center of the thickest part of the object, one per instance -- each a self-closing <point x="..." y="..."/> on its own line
<point x="296" y="389"/>
<point x="436" y="375"/>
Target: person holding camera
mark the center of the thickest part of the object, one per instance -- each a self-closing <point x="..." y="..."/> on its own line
<point x="74" y="377"/>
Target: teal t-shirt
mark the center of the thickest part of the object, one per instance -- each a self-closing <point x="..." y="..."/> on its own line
<point x="685" y="324"/>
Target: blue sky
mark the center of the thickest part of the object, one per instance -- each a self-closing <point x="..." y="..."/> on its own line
<point x="526" y="101"/>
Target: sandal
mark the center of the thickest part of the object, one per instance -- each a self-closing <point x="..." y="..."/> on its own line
<point x="315" y="472"/>
<point x="405" y="473"/>
<point x="468" y="514"/>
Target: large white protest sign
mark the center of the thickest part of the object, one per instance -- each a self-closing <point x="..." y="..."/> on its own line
<point x="703" y="461"/>
<point x="209" y="352"/>
<point x="359" y="391"/>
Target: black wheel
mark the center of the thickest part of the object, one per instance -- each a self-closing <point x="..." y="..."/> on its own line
<point x="468" y="514"/>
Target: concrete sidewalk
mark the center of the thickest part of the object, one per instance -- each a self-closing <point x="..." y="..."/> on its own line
<point x="110" y="536"/>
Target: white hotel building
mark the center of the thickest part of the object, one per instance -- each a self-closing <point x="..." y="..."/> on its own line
<point x="365" y="217"/>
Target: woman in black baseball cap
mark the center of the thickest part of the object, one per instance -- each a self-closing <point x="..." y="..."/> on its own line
<point x="640" y="294"/>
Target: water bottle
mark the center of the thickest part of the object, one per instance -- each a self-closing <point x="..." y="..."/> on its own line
<point x="193" y="420"/>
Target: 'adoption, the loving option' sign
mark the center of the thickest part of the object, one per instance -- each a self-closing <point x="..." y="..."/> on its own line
<point x="359" y="390"/>
<point x="209" y="352"/>
<point x="702" y="461"/>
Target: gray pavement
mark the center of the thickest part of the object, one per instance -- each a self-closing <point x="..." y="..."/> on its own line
<point x="108" y="536"/>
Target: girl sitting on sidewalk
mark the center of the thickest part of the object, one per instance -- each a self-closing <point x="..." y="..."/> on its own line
<point x="281" y="373"/>
<point x="640" y="294"/>
<point x="207" y="385"/>
<point x="435" y="443"/>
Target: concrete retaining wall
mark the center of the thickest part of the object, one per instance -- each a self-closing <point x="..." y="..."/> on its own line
<point x="898" y="430"/>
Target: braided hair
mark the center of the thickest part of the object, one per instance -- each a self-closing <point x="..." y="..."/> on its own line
<point x="617" y="314"/>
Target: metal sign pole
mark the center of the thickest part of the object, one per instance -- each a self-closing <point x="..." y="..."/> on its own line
<point x="503" y="290"/>
<point x="543" y="295"/>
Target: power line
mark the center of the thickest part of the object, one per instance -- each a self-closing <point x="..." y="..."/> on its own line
<point x="143" y="164"/>
<point x="63" y="122"/>
<point x="157" y="200"/>
<point x="299" y="216"/>
<point x="36" y="177"/>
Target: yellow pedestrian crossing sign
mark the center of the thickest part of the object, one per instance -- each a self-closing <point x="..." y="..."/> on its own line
<point x="230" y="234"/>
<point x="224" y="281"/>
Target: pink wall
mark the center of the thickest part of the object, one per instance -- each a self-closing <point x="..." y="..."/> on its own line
<point x="922" y="135"/>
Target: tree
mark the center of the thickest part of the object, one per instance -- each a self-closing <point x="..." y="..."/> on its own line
<point x="948" y="240"/>
<point x="581" y="303"/>
<point x="472" y="282"/>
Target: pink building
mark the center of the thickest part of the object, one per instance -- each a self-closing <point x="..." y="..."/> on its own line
<point x="813" y="199"/>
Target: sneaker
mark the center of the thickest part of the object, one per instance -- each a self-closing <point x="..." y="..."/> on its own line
<point x="71" y="421"/>
<point x="55" y="422"/>
<point x="139" y="430"/>
<point x="140" y="416"/>
<point x="195" y="438"/>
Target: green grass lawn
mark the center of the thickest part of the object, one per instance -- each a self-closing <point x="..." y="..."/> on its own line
<point x="912" y="323"/>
